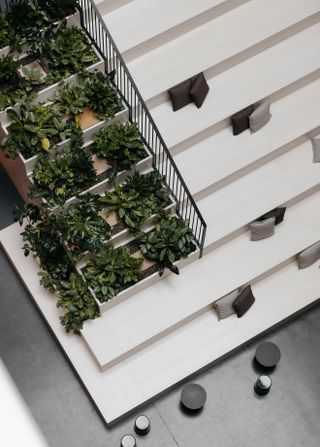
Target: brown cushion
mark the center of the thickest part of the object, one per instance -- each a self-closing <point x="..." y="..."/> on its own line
<point x="309" y="256"/>
<point x="277" y="213"/>
<point x="180" y="95"/>
<point x="199" y="90"/>
<point x="261" y="229"/>
<point x="224" y="307"/>
<point x="244" y="301"/>
<point x="240" y="120"/>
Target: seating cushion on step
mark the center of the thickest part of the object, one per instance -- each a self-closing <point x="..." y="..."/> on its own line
<point x="261" y="229"/>
<point x="244" y="301"/>
<point x="199" y="90"/>
<point x="277" y="213"/>
<point x="260" y="116"/>
<point x="309" y="256"/>
<point x="180" y="95"/>
<point x="240" y="120"/>
<point x="316" y="149"/>
<point x="224" y="307"/>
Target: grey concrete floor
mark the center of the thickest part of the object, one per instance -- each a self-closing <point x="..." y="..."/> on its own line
<point x="233" y="416"/>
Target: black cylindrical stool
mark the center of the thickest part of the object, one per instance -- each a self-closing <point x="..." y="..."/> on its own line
<point x="128" y="441"/>
<point x="193" y="397"/>
<point x="263" y="385"/>
<point x="142" y="425"/>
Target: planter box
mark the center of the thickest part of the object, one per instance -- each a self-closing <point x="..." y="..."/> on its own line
<point x="139" y="286"/>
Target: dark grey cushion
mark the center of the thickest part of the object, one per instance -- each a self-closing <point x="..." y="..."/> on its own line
<point x="316" y="149"/>
<point x="244" y="301"/>
<point x="309" y="256"/>
<point x="199" y="90"/>
<point x="224" y="307"/>
<point x="240" y="120"/>
<point x="261" y="229"/>
<point x="277" y="213"/>
<point x="260" y="116"/>
<point x="180" y="95"/>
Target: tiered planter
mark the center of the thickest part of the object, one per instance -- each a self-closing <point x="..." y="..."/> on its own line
<point x="151" y="272"/>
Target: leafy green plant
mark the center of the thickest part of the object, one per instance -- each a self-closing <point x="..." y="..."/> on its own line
<point x="121" y="145"/>
<point x="26" y="17"/>
<point x="9" y="76"/>
<point x="69" y="174"/>
<point x="112" y="271"/>
<point x="82" y="227"/>
<point x="35" y="130"/>
<point x="78" y="303"/>
<point x="5" y="30"/>
<point x="71" y="98"/>
<point x="41" y="238"/>
<point x="141" y="196"/>
<point x="69" y="51"/>
<point x="170" y="241"/>
<point x="102" y="97"/>
<point x="58" y="9"/>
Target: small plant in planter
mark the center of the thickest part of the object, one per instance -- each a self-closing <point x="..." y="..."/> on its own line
<point x="142" y="196"/>
<point x="170" y="241"/>
<point x="71" y="99"/>
<point x="41" y="238"/>
<point x="5" y="31"/>
<point x="35" y="130"/>
<point x="78" y="303"/>
<point x="57" y="9"/>
<point x="69" y="174"/>
<point x="112" y="271"/>
<point x="26" y="17"/>
<point x="82" y="228"/>
<point x="121" y="145"/>
<point x="68" y="52"/>
<point x="17" y="84"/>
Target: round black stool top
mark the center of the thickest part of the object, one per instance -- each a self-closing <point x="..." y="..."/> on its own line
<point x="268" y="354"/>
<point x="193" y="397"/>
<point x="142" y="425"/>
<point x="128" y="441"/>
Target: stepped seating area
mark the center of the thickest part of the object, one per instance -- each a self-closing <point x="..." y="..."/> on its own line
<point x="249" y="51"/>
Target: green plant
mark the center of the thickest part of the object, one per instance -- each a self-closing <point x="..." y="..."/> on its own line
<point x="170" y="241"/>
<point x="141" y="196"/>
<point x="26" y="17"/>
<point x="82" y="227"/>
<point x="9" y="76"/>
<point x="112" y="271"/>
<point x="69" y="51"/>
<point x="35" y="130"/>
<point x="5" y="30"/>
<point x="102" y="97"/>
<point x="71" y="98"/>
<point x="70" y="173"/>
<point x="58" y="9"/>
<point x="41" y="238"/>
<point x="78" y="303"/>
<point x="121" y="145"/>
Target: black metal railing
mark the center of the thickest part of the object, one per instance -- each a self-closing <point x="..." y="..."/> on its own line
<point x="99" y="34"/>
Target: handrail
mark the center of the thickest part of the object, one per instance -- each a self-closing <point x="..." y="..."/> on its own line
<point x="98" y="33"/>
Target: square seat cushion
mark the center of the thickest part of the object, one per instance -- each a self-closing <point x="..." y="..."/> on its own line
<point x="260" y="116"/>
<point x="316" y="149"/>
<point x="262" y="229"/>
<point x="277" y="213"/>
<point x="309" y="256"/>
<point x="199" y="90"/>
<point x="240" y="120"/>
<point x="224" y="307"/>
<point x="244" y="301"/>
<point x="180" y="95"/>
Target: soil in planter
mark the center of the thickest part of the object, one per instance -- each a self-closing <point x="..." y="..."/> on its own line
<point x="87" y="119"/>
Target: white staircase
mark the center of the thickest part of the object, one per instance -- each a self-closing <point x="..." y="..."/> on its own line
<point x="249" y="50"/>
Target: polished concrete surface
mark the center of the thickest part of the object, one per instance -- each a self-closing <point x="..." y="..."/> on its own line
<point x="233" y="416"/>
